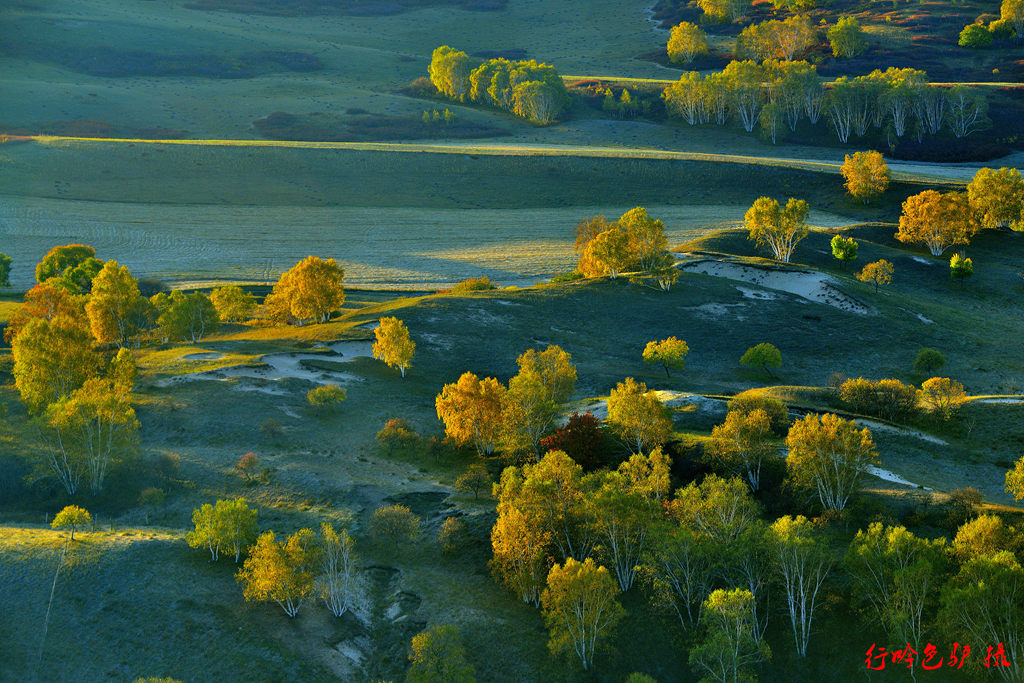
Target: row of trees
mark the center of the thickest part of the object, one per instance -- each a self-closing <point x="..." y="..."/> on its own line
<point x="528" y="89"/>
<point x="770" y="39"/>
<point x="782" y="93"/>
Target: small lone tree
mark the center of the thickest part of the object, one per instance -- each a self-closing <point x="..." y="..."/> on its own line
<point x="670" y="353"/>
<point x="866" y="175"/>
<point x="281" y="571"/>
<point x="960" y="268"/>
<point x="580" y="606"/>
<point x="474" y="479"/>
<point x="928" y="360"/>
<point x="438" y="656"/>
<point x="328" y="397"/>
<point x="337" y="569"/>
<point x="72" y="517"/>
<point x="779" y="229"/>
<point x="878" y="273"/>
<point x="394" y="523"/>
<point x="844" y="249"/>
<point x="1015" y="480"/>
<point x="247" y="464"/>
<point x="397" y="433"/>
<point x="685" y="42"/>
<point x="393" y="345"/>
<point x="765" y="356"/>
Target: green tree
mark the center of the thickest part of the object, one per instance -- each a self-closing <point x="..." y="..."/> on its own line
<point x="52" y="358"/>
<point x="975" y="36"/>
<point x="685" y="42"/>
<point x="310" y="290"/>
<point x="233" y="304"/>
<point x="94" y="426"/>
<point x="449" y="72"/>
<point x="960" y="268"/>
<point x="186" y="316"/>
<point x="328" y="397"/>
<point x="846" y="37"/>
<point x="778" y="229"/>
<point x="281" y="571"/>
<point x="638" y="415"/>
<point x="605" y="254"/>
<point x="866" y="175"/>
<point x="71" y="516"/>
<point x="46" y="302"/>
<point x="580" y="608"/>
<point x="71" y="267"/>
<point x="680" y="568"/>
<point x="893" y="570"/>
<point x="749" y="401"/>
<point x="731" y="643"/>
<point x="844" y="249"/>
<point x="545" y="380"/>
<point x="5" y="270"/>
<point x="437" y="656"/>
<point x="928" y="360"/>
<point x="228" y="524"/>
<point x="765" y="356"/>
<point x="669" y="353"/>
<point x="831" y="455"/>
<point x="802" y="563"/>
<point x="393" y="523"/>
<point x="474" y="479"/>
<point x="878" y="273"/>
<point x="393" y="345"/>
<point x="623" y="517"/>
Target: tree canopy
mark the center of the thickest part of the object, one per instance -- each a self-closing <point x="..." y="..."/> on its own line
<point x="393" y="344"/>
<point x="778" y="229"/>
<point x="310" y="291"/>
<point x="866" y="175"/>
<point x="938" y="220"/>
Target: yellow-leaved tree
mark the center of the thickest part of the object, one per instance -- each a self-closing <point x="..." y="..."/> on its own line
<point x="669" y="353"/>
<point x="780" y="229"/>
<point x="71" y="516"/>
<point x="310" y="290"/>
<point x="685" y="42"/>
<point x="282" y="571"/>
<point x="338" y="567"/>
<point x="866" y="175"/>
<point x="580" y="607"/>
<point x="830" y="454"/>
<point x="393" y="344"/>
<point x="115" y="307"/>
<point x="937" y="220"/>
<point x="47" y="302"/>
<point x="544" y="381"/>
<point x="471" y="411"/>
<point x="877" y="273"/>
<point x="438" y="656"/>
<point x="52" y="358"/>
<point x="638" y="415"/>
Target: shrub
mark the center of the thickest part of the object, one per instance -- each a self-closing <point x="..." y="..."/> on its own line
<point x="326" y="397"/>
<point x="152" y="496"/>
<point x="453" y="535"/>
<point x="271" y="429"/>
<point x="889" y="399"/>
<point x="582" y="438"/>
<point x="393" y="523"/>
<point x="1001" y="29"/>
<point x="963" y="503"/>
<point x="398" y="433"/>
<point x="247" y="464"/>
<point x="778" y="414"/>
<point x="474" y="284"/>
<point x="975" y="36"/>
<point x="571" y="276"/>
<point x="928" y="360"/>
<point x="474" y="479"/>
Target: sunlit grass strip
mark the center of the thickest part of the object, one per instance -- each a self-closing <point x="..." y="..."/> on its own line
<point x="486" y="150"/>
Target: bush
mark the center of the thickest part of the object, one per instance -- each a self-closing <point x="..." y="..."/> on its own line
<point x="975" y="36"/>
<point x="776" y="409"/>
<point x="271" y="429"/>
<point x="247" y="464"/>
<point x="453" y="535"/>
<point x="152" y="496"/>
<point x="583" y="439"/>
<point x="1001" y="29"/>
<point x="398" y="433"/>
<point x="393" y="523"/>
<point x="571" y="276"/>
<point x="474" y="284"/>
<point x="889" y="399"/>
<point x="963" y="504"/>
<point x="928" y="361"/>
<point x="326" y="397"/>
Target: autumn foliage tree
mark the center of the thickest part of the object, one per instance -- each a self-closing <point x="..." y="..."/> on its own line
<point x="582" y="439"/>
<point x="471" y="410"/>
<point x="846" y="37"/>
<point x="638" y="415"/>
<point x="281" y="571"/>
<point x="780" y="229"/>
<point x="336" y="582"/>
<point x="393" y="344"/>
<point x="52" y="358"/>
<point x="438" y="656"/>
<point x="73" y="517"/>
<point x="580" y="608"/>
<point x="545" y="380"/>
<point x="943" y="395"/>
<point x="937" y="220"/>
<point x="831" y="455"/>
<point x="685" y="42"/>
<point x="866" y="175"/>
<point x="326" y="397"/>
<point x="742" y="444"/>
<point x="802" y="562"/>
<point x="731" y="643"/>
<point x="114" y="304"/>
<point x="71" y="267"/>
<point x="310" y="291"/>
<point x="997" y="197"/>
<point x="46" y="302"/>
<point x="233" y="304"/>
<point x="877" y="273"/>
<point x="229" y="524"/>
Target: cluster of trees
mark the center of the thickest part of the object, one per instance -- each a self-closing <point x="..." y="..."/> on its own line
<point x="634" y="243"/>
<point x="893" y="400"/>
<point x="288" y="571"/>
<point x="781" y="93"/>
<point x="771" y="39"/>
<point x="1009" y="25"/>
<point x="527" y="89"/>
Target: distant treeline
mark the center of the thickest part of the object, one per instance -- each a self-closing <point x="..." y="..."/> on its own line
<point x="781" y="93"/>
<point x="527" y="89"/>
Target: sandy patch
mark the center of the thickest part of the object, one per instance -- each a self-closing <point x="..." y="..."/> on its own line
<point x="807" y="284"/>
<point x="756" y="294"/>
<point x="920" y="259"/>
<point x="999" y="399"/>
<point x="886" y="475"/>
<point x="671" y="399"/>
